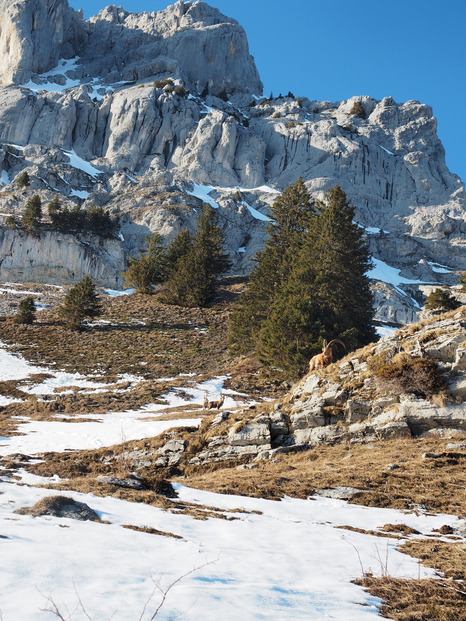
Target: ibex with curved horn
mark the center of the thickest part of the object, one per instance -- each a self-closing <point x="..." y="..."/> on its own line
<point x="325" y="358"/>
<point x="213" y="405"/>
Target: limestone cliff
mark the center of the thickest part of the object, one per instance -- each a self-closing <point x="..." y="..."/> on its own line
<point x="51" y="257"/>
<point x="167" y="108"/>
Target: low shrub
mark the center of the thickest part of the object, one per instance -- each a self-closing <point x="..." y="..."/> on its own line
<point x="405" y="373"/>
<point x="163" y="83"/>
<point x="26" y="311"/>
<point x="358" y="110"/>
<point x="441" y="301"/>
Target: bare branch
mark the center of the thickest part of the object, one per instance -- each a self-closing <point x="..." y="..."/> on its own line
<point x="169" y="588"/>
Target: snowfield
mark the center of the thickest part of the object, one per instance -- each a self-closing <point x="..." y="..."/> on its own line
<point x="267" y="560"/>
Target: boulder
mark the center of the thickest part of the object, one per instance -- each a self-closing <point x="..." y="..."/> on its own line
<point x="61" y="506"/>
<point x="253" y="433"/>
<point x="423" y="415"/>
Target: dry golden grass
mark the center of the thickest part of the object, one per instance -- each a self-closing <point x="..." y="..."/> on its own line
<point x="139" y="335"/>
<point x="151" y="531"/>
<point x="436" y="484"/>
<point x="417" y="600"/>
<point x="445" y="556"/>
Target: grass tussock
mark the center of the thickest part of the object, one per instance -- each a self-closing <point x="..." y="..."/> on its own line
<point x="448" y="557"/>
<point x="417" y="600"/>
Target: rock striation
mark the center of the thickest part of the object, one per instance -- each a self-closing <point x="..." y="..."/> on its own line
<point x="51" y="257"/>
<point x="151" y="114"/>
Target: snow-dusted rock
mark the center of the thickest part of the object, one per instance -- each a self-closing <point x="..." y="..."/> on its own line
<point x="34" y="35"/>
<point x="96" y="87"/>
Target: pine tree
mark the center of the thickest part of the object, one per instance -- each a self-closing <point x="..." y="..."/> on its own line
<point x="100" y="222"/>
<point x="179" y="247"/>
<point x="192" y="281"/>
<point x="440" y="301"/>
<point x="32" y="215"/>
<point x="318" y="291"/>
<point x="80" y="302"/>
<point x="26" y="311"/>
<point x="291" y="215"/>
<point x="55" y="210"/>
<point x="23" y="180"/>
<point x="148" y="269"/>
<point x="327" y="294"/>
<point x="343" y="261"/>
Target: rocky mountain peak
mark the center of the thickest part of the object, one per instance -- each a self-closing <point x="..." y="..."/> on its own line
<point x="106" y="111"/>
<point x="34" y="35"/>
<point x="189" y="41"/>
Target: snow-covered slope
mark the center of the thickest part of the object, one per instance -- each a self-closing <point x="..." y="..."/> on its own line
<point x="250" y="558"/>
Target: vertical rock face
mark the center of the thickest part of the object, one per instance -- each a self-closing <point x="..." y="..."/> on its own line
<point x="52" y="257"/>
<point x="34" y="35"/>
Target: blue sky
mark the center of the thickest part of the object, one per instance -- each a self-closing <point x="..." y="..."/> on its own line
<point x="406" y="49"/>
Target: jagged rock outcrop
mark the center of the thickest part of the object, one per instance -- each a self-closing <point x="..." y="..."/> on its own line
<point x="34" y="35"/>
<point x="170" y="98"/>
<point x="189" y="41"/>
<point x="347" y="402"/>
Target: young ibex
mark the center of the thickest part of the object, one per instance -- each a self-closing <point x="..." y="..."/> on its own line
<point x="325" y="358"/>
<point x="213" y="405"/>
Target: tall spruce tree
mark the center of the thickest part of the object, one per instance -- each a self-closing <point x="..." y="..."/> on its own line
<point x="32" y="215"/>
<point x="179" y="247"/>
<point x="327" y="293"/>
<point x="149" y="269"/>
<point x="321" y="291"/>
<point x="343" y="260"/>
<point x="80" y="302"/>
<point x="201" y="260"/>
<point x="291" y="215"/>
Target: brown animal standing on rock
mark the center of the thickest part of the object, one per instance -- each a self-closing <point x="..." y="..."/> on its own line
<point x="213" y="405"/>
<point x="325" y="358"/>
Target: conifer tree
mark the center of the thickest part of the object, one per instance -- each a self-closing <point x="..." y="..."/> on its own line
<point x="26" y="311"/>
<point x="343" y="261"/>
<point x="327" y="294"/>
<point x="54" y="209"/>
<point x="32" y="215"/>
<point x="23" y="180"/>
<point x="80" y="302"/>
<point x="148" y="269"/>
<point x="291" y="215"/>
<point x="179" y="247"/>
<point x="440" y="301"/>
<point x="192" y="281"/>
<point x="309" y="284"/>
